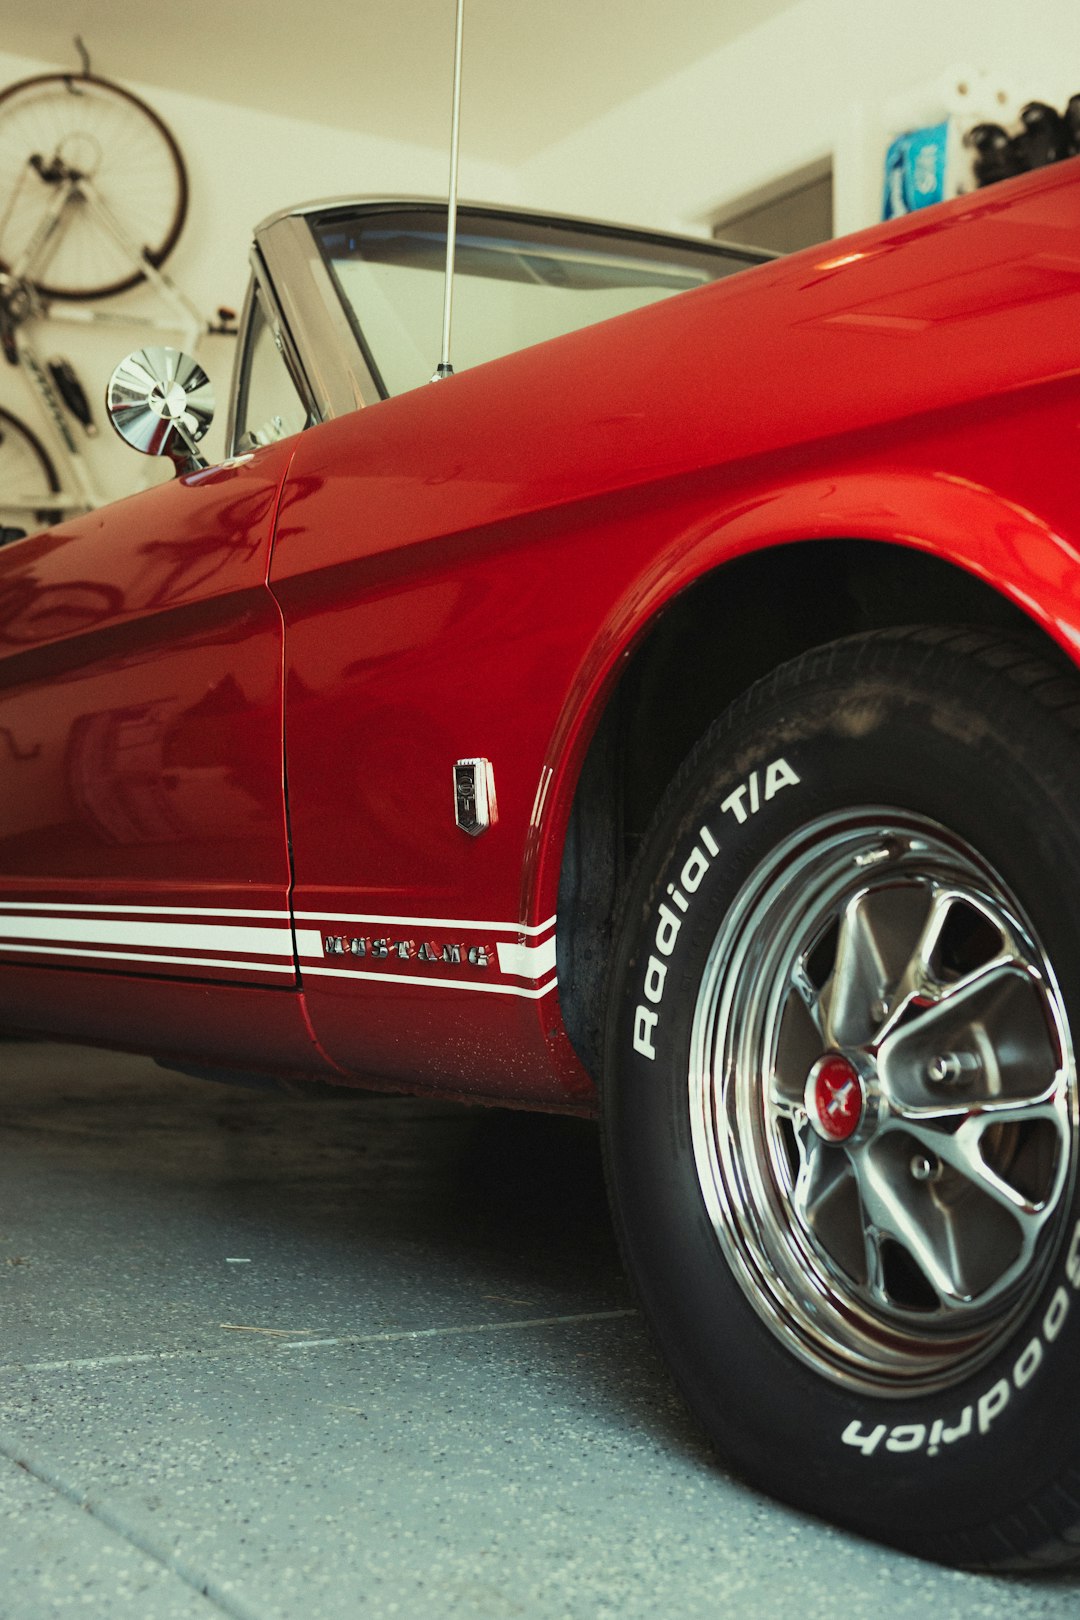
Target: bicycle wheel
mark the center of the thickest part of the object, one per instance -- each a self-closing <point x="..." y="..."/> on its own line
<point x="27" y="477"/>
<point x="60" y="126"/>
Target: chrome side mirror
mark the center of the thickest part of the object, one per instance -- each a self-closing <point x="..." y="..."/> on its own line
<point x="161" y="402"/>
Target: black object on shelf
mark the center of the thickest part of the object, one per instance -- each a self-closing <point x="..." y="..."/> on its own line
<point x="1044" y="136"/>
<point x="995" y="157"/>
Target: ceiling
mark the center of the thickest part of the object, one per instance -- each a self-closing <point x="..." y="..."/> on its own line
<point x="533" y="72"/>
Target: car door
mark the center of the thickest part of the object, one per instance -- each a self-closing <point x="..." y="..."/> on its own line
<point x="142" y="815"/>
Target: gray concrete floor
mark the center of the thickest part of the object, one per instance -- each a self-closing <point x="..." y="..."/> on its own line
<point x="293" y="1361"/>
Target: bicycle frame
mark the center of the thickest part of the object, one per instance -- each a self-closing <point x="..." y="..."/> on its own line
<point x="86" y="494"/>
<point x="23" y="305"/>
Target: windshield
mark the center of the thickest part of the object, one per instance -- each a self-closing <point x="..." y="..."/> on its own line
<point x="517" y="281"/>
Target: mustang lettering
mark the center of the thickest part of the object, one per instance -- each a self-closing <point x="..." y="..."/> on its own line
<point x="406" y="949"/>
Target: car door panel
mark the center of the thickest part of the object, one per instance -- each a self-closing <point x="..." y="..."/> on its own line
<point x="142" y="822"/>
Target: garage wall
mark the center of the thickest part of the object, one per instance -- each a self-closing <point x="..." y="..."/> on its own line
<point x="824" y="77"/>
<point x="246" y="164"/>
<point x="243" y="165"/>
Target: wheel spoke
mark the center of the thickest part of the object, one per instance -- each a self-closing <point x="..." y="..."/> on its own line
<point x="904" y="1218"/>
<point x="825" y="1197"/>
<point x="882" y="931"/>
<point x="873" y="1263"/>
<point x="959" y="946"/>
<point x="961" y="1149"/>
<point x="799" y="1043"/>
<point x="821" y="1170"/>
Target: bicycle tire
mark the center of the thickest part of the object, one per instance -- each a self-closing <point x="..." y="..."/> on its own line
<point x="36" y="118"/>
<point x="26" y="466"/>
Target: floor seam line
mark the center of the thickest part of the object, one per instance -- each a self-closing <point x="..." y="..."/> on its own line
<point x="204" y="1585"/>
<point x="241" y="1342"/>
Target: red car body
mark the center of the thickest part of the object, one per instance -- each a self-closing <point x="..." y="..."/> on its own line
<point x="230" y="706"/>
<point x="248" y="720"/>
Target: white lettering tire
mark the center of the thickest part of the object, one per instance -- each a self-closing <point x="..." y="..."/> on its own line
<point x="840" y="1101"/>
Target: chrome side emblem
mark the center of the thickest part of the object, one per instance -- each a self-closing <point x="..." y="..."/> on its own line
<point x="474" y="796"/>
<point x="452" y="954"/>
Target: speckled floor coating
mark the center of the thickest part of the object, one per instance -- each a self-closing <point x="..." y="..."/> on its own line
<point x="294" y="1361"/>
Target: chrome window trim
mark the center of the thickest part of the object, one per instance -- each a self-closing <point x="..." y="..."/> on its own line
<point x="375" y="203"/>
<point x="261" y="294"/>
<point x="242" y="345"/>
<point x="337" y="374"/>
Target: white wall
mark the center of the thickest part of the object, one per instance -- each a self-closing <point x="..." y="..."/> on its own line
<point x="824" y="77"/>
<point x="242" y="165"/>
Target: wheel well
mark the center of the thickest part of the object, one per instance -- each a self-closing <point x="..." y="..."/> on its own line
<point x="709" y="644"/>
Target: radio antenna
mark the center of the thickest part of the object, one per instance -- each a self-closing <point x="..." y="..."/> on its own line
<point x="444" y="368"/>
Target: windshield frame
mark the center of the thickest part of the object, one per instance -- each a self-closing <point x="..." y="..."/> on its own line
<point x="340" y="372"/>
<point x="522" y="254"/>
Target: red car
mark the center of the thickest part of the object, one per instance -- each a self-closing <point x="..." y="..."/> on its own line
<point x="676" y="720"/>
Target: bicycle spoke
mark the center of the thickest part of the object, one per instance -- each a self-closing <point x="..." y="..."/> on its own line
<point x="101" y="131"/>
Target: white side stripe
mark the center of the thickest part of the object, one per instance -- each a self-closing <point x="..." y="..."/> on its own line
<point x="162" y="961"/>
<point x="427" y="922"/>
<point x="527" y="961"/>
<point x="446" y="984"/>
<point x="258" y="942"/>
<point x="20" y="906"/>
<point x="168" y="936"/>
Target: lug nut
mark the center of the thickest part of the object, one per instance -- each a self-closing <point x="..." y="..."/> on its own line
<point x="951" y="1068"/>
<point x="924" y="1169"/>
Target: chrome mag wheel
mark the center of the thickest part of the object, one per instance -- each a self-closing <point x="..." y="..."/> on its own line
<point x="883" y="1102"/>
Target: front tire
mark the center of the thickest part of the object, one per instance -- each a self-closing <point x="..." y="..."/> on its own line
<point x="840" y="1100"/>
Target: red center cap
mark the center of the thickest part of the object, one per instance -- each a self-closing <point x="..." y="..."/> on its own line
<point x="834" y="1097"/>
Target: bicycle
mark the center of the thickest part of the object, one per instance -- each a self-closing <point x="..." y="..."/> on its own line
<point x="96" y="195"/>
<point x="28" y="478"/>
